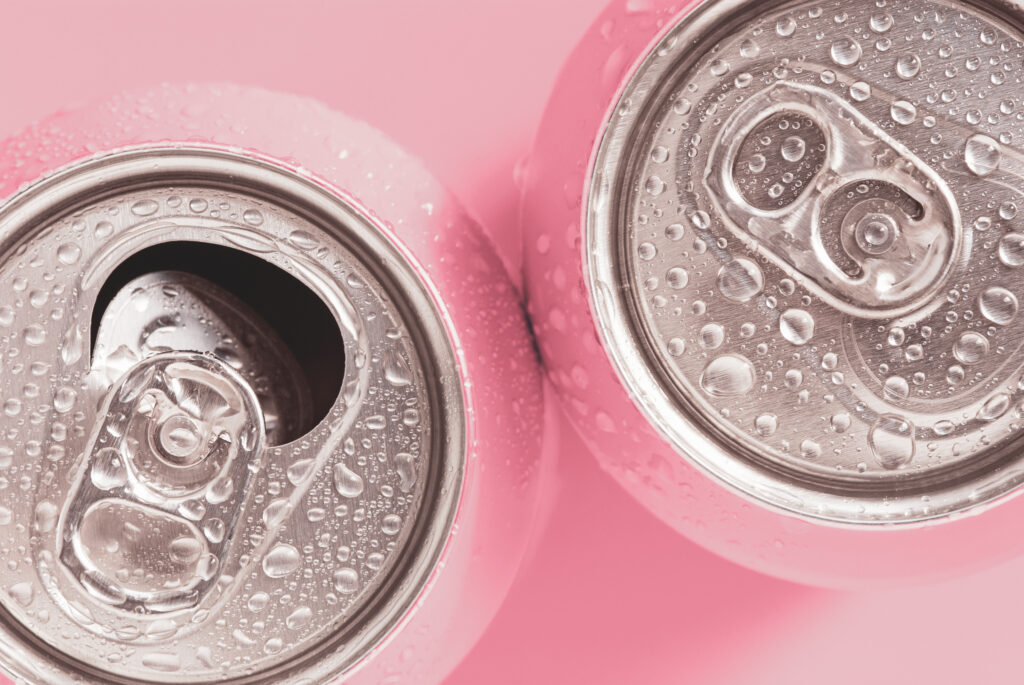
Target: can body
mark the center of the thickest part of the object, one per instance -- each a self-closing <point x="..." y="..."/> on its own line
<point x="637" y="425"/>
<point x="433" y="257"/>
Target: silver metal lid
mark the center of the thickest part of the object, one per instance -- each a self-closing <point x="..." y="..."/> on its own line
<point x="184" y="500"/>
<point x="814" y="210"/>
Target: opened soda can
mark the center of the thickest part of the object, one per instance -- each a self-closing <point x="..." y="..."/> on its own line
<point x="270" y="410"/>
<point x="773" y="259"/>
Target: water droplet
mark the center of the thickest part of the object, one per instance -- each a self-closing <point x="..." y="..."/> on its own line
<point x="860" y="91"/>
<point x="749" y="49"/>
<point x="766" y="424"/>
<point x="300" y="471"/>
<point x="810" y="449"/>
<point x="908" y="66"/>
<point x="34" y="335"/>
<point x="793" y="149"/>
<point x="785" y="26"/>
<point x="68" y="253"/>
<point x="845" y="52"/>
<point x="677" y="277"/>
<point x="346" y="581"/>
<point x="45" y="517"/>
<point x="881" y="22"/>
<point x="994" y="407"/>
<point x="982" y="154"/>
<point x="258" y="602"/>
<point x="22" y="593"/>
<point x="281" y="560"/>
<point x="107" y="470"/>
<point x="299" y="618"/>
<point x="903" y="112"/>
<point x="655" y="186"/>
<point x="64" y="399"/>
<point x="796" y="326"/>
<point x="998" y="305"/>
<point x="1011" y="249"/>
<point x="302" y="240"/>
<point x="896" y="389"/>
<point x="145" y="208"/>
<point x="253" y="217"/>
<point x="711" y="336"/>
<point x="347" y="482"/>
<point x="740" y="280"/>
<point x="970" y="347"/>
<point x="840" y="422"/>
<point x="891" y="440"/>
<point x="728" y="375"/>
<point x="214" y="530"/>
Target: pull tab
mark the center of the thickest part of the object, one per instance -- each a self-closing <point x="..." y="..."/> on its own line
<point x="178" y="435"/>
<point x="830" y="198"/>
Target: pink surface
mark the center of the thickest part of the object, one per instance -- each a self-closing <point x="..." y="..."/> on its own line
<point x="610" y="595"/>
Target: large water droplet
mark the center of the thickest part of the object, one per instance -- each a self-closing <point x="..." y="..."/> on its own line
<point x="998" y="305"/>
<point x="740" y="280"/>
<point x="281" y="560"/>
<point x="982" y="154"/>
<point x="908" y="66"/>
<point x="346" y="581"/>
<point x="895" y="389"/>
<point x="793" y="149"/>
<point x="68" y="253"/>
<point x="903" y="112"/>
<point x="994" y="407"/>
<point x="891" y="439"/>
<point x="970" y="347"/>
<point x="845" y="52"/>
<point x="728" y="375"/>
<point x="347" y="482"/>
<point x="796" y="326"/>
<point x="766" y="424"/>
<point x="108" y="472"/>
<point x="1011" y="249"/>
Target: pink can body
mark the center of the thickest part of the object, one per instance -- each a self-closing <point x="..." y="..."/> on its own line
<point x="556" y="182"/>
<point x="500" y="376"/>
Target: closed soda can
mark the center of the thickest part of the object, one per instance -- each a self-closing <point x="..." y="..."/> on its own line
<point x="773" y="258"/>
<point x="271" y="412"/>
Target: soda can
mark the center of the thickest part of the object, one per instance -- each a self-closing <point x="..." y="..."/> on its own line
<point x="271" y="411"/>
<point x="772" y="256"/>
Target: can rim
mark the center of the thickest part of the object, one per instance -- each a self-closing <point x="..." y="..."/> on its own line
<point x="24" y="655"/>
<point x="637" y="366"/>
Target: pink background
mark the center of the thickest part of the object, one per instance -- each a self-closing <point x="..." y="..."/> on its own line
<point x="609" y="595"/>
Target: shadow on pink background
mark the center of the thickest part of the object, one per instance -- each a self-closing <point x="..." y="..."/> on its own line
<point x="609" y="596"/>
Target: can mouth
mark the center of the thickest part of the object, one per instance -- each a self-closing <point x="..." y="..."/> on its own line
<point x="801" y="244"/>
<point x="245" y="437"/>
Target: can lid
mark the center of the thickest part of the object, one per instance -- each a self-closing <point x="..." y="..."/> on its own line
<point x="232" y="436"/>
<point x="815" y="209"/>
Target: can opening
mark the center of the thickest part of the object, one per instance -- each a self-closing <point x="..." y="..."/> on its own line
<point x="297" y="316"/>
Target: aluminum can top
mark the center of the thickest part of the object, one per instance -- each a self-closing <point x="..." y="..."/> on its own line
<point x="254" y="449"/>
<point x="803" y="244"/>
